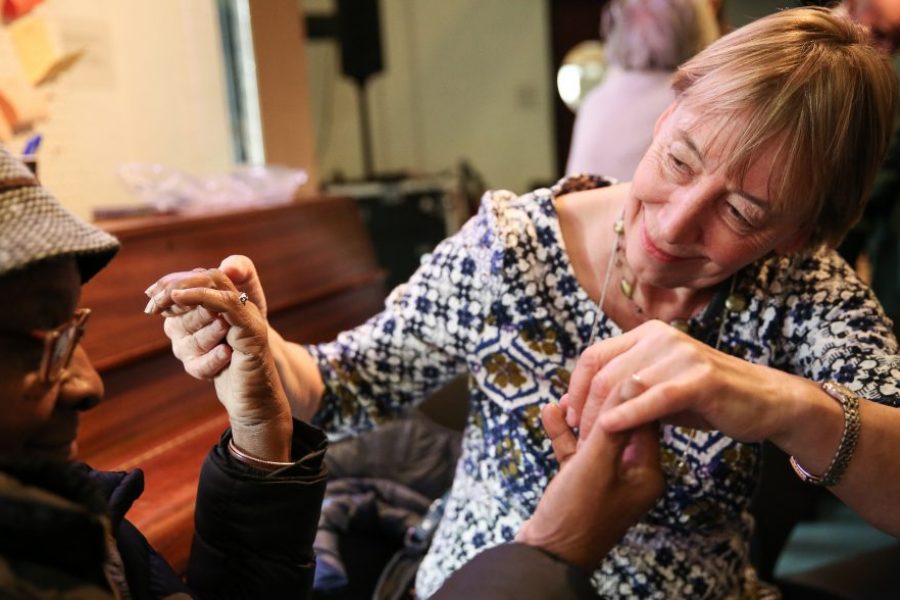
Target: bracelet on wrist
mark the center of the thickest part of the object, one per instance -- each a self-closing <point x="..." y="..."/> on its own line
<point x="852" y="424"/>
<point x="259" y="463"/>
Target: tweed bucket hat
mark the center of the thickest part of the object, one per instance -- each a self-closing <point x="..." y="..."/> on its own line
<point x="34" y="226"/>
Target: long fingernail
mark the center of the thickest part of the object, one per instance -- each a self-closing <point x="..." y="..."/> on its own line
<point x="149" y="289"/>
<point x="151" y="306"/>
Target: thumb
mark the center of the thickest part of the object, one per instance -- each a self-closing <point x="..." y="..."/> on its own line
<point x="242" y="273"/>
<point x="562" y="438"/>
<point x="642" y="449"/>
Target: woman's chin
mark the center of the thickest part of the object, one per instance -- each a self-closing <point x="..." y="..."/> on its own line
<point x="671" y="281"/>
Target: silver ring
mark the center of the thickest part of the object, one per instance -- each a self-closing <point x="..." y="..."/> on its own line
<point x="243" y="298"/>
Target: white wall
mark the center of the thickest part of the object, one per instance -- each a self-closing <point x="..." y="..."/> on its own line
<point x="463" y="79"/>
<point x="150" y="88"/>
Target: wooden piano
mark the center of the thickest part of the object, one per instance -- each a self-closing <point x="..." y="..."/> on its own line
<point x="317" y="266"/>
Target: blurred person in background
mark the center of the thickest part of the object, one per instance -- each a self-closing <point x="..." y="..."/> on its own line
<point x="645" y="41"/>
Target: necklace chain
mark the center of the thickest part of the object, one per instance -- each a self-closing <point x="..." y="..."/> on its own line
<point x="733" y="303"/>
<point x="628" y="288"/>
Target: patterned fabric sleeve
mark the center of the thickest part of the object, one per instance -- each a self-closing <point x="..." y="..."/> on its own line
<point x="417" y="343"/>
<point x="835" y="329"/>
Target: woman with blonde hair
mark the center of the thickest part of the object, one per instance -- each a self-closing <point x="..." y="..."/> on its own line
<point x="706" y="292"/>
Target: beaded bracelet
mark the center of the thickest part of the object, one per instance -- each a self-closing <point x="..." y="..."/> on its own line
<point x="850" y="404"/>
<point x="259" y="463"/>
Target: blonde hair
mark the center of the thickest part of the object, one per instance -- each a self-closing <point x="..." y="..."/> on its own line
<point x="656" y="34"/>
<point x="810" y="84"/>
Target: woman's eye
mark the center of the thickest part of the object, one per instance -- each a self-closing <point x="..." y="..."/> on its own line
<point x="678" y="165"/>
<point x="738" y="216"/>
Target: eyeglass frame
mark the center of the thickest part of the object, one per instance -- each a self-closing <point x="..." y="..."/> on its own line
<point x="51" y="371"/>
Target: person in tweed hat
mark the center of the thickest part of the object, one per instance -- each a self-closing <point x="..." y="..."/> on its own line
<point x="36" y="227"/>
<point x="62" y="525"/>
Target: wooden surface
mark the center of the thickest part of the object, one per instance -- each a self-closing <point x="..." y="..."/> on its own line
<point x="317" y="266"/>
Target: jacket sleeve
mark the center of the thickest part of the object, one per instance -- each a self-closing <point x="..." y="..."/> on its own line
<point x="517" y="571"/>
<point x="254" y="530"/>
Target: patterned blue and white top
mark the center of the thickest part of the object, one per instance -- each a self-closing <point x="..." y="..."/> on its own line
<point x="500" y="301"/>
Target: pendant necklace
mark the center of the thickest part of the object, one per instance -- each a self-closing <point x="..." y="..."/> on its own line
<point x="733" y="303"/>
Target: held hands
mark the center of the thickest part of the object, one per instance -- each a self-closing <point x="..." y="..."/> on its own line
<point x="219" y="337"/>
<point x="683" y="381"/>
<point x="606" y="482"/>
<point x="198" y="333"/>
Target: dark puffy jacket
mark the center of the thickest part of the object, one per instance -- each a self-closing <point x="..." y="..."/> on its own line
<point x="253" y="538"/>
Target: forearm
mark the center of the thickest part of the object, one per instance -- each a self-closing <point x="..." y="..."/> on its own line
<point x="811" y="431"/>
<point x="299" y="375"/>
<point x="871" y="484"/>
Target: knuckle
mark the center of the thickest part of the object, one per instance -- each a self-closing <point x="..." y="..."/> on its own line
<point x="193" y="344"/>
<point x="197" y="319"/>
<point x="208" y="337"/>
<point x="172" y="328"/>
<point x="656" y="326"/>
<point x="600" y="385"/>
<point x="704" y="369"/>
<point x="198" y="369"/>
<point x="667" y="395"/>
<point x="590" y="358"/>
<point x="173" y="280"/>
<point x="185" y="348"/>
<point x="193" y="372"/>
<point x="692" y="351"/>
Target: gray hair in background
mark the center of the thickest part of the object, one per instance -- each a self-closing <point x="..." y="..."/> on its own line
<point x="656" y="34"/>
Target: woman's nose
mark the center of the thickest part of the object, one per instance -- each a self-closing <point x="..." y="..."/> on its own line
<point x="81" y="387"/>
<point x="681" y="219"/>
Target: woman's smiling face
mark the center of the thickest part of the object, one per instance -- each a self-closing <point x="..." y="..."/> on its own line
<point x="687" y="224"/>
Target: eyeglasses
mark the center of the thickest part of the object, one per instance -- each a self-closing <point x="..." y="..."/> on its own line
<point x="60" y="344"/>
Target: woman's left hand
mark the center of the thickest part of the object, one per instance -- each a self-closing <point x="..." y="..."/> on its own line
<point x="680" y="381"/>
<point x="248" y="386"/>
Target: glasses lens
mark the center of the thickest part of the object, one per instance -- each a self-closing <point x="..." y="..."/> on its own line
<point x="60" y="352"/>
<point x="62" y="343"/>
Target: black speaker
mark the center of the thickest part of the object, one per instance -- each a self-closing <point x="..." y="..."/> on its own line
<point x="359" y="31"/>
<point x="405" y="219"/>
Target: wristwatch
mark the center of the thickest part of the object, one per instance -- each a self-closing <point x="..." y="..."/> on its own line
<point x="850" y="404"/>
